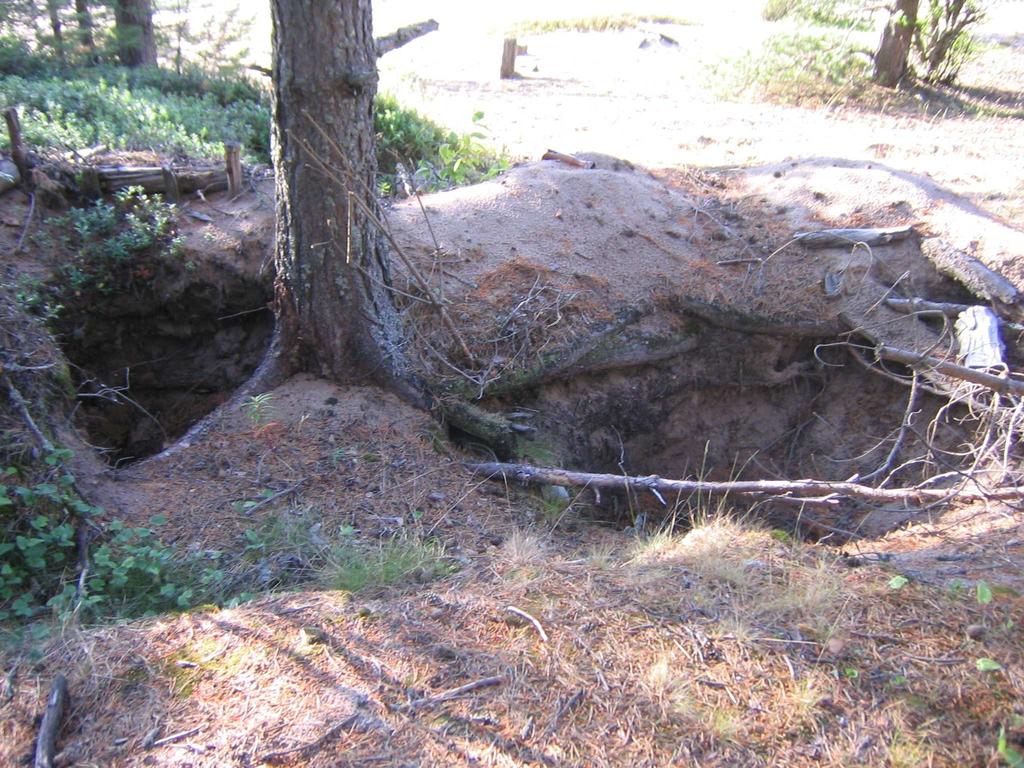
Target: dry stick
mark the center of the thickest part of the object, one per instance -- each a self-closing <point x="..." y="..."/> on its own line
<point x="927" y="363"/>
<point x="901" y="437"/>
<point x="176" y="737"/>
<point x="798" y="488"/>
<point x="277" y="757"/>
<point x="524" y="615"/>
<point x="22" y="406"/>
<point x="445" y="317"/>
<point x="454" y="693"/>
<point x="28" y="222"/>
<point x="47" y="743"/>
<point x="403" y="35"/>
<point x="838" y="238"/>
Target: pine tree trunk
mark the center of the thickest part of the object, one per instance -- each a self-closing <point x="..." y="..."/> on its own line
<point x="894" y="48"/>
<point x="53" y="8"/>
<point x="136" y="41"/>
<point x="83" y="17"/>
<point x="335" y="313"/>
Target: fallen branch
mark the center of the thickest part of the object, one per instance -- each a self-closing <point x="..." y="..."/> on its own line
<point x="454" y="693"/>
<point x="524" y="473"/>
<point x="561" y="157"/>
<point x="926" y="363"/>
<point x="839" y="238"/>
<point x="277" y="757"/>
<point x="524" y="615"/>
<point x="46" y="745"/>
<point x="967" y="270"/>
<point x="403" y="35"/>
<point x="949" y="309"/>
<point x="176" y="737"/>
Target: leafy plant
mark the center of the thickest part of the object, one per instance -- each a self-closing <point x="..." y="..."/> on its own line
<point x="1012" y="757"/>
<point x="259" y="408"/>
<point x="797" y="66"/>
<point x="128" y="572"/>
<point x="942" y="40"/>
<point x="441" y="158"/>
<point x="988" y="665"/>
<point x="898" y="582"/>
<point x="116" y="245"/>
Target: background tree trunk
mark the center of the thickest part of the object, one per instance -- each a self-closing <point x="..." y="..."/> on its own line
<point x="335" y="313"/>
<point x="894" y="48"/>
<point x="83" y="17"/>
<point x="136" y="41"/>
<point x="53" y="8"/>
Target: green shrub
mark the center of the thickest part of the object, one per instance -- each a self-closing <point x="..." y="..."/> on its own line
<point x="16" y="58"/>
<point x="437" y="157"/>
<point x="115" y="244"/>
<point x="129" y="571"/>
<point x="842" y="14"/>
<point x="799" y="66"/>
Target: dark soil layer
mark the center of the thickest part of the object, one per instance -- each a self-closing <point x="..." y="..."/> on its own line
<point x="149" y="363"/>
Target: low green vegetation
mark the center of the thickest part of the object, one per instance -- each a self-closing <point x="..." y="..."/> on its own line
<point x="611" y="23"/>
<point x="138" y="110"/>
<point x="804" y="65"/>
<point x="115" y="245"/>
<point x="298" y="548"/>
<point x="193" y="113"/>
<point x="62" y="556"/>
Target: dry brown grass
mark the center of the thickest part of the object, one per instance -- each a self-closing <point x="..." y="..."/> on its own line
<point x="717" y="646"/>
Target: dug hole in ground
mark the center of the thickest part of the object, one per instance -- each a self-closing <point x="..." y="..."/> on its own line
<point x="629" y="323"/>
<point x="615" y="322"/>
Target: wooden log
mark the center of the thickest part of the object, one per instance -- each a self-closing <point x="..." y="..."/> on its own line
<point x="840" y="238"/>
<point x="233" y="167"/>
<point x="46" y="744"/>
<point x="18" y="154"/>
<point x="171" y="191"/>
<point x="964" y="268"/>
<point x="151" y="179"/>
<point x="508" y="58"/>
<point x="796" y="489"/>
<point x="403" y="35"/>
<point x="926" y="363"/>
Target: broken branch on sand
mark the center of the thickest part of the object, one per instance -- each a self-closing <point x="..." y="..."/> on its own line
<point x="839" y="238"/>
<point x="527" y="474"/>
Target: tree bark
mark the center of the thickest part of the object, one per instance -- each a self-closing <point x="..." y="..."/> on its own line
<point x="136" y="41"/>
<point x="83" y="16"/>
<point x="335" y="311"/>
<point x="53" y="8"/>
<point x="894" y="48"/>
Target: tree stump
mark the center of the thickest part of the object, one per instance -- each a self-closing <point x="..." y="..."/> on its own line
<point x="233" y="166"/>
<point x="508" y="58"/>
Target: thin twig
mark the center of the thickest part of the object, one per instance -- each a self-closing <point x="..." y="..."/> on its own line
<point x="455" y="693"/>
<point x="279" y="756"/>
<point x="524" y="615"/>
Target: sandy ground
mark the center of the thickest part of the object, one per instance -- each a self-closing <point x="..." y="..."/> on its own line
<point x="663" y="106"/>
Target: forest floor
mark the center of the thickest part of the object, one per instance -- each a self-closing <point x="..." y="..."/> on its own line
<point x="723" y="642"/>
